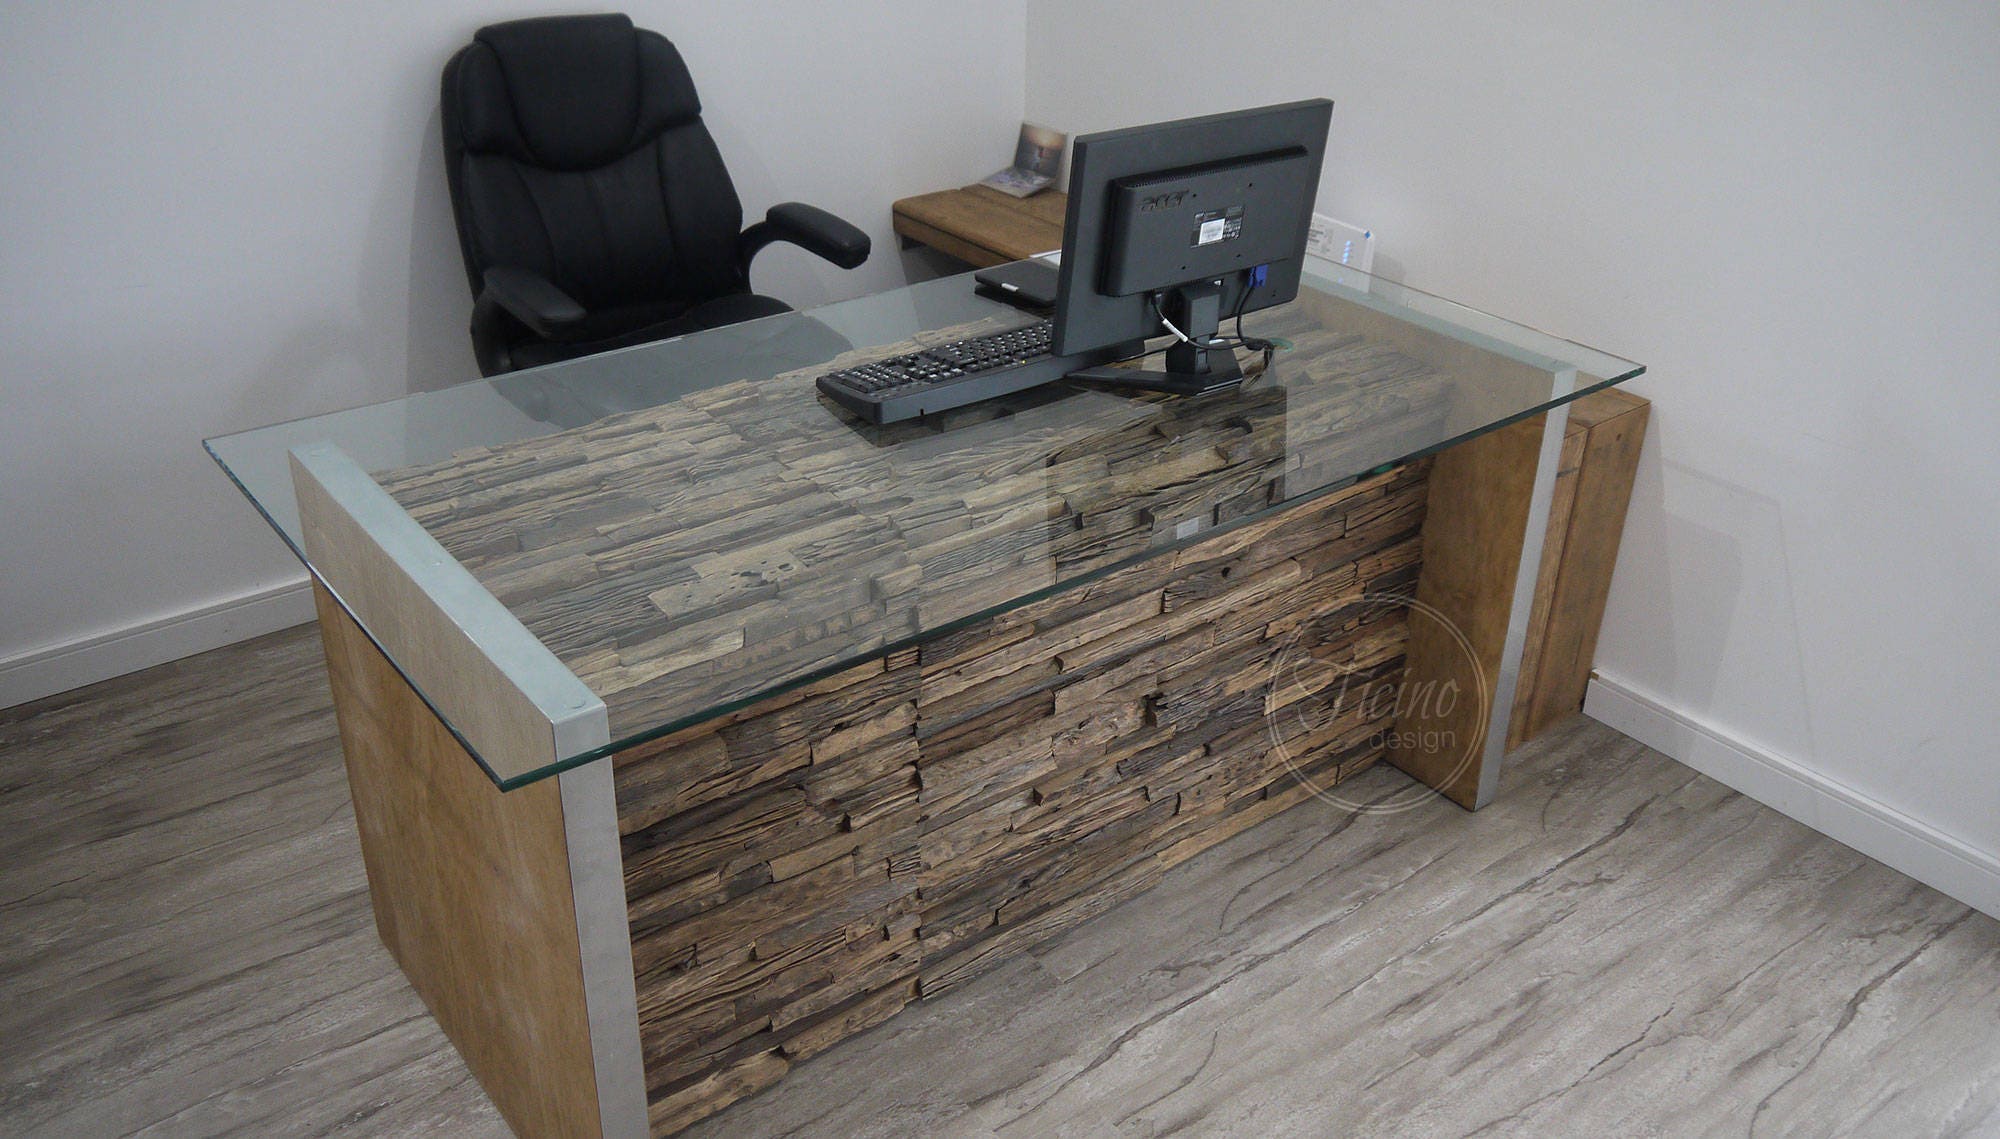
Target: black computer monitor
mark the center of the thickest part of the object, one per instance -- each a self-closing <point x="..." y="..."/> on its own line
<point x="1176" y="227"/>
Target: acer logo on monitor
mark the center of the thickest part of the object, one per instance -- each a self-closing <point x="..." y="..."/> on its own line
<point x="1162" y="201"/>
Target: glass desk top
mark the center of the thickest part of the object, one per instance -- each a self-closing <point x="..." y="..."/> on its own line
<point x="689" y="527"/>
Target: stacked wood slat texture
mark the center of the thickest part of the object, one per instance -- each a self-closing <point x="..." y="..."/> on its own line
<point x="800" y="868"/>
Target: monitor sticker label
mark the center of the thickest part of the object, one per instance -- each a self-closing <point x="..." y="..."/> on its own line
<point x="1212" y="226"/>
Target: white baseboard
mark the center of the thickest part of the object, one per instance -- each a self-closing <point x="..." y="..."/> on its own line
<point x="41" y="672"/>
<point x="1834" y="809"/>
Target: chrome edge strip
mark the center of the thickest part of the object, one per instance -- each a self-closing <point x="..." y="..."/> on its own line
<point x="1540" y="500"/>
<point x="604" y="944"/>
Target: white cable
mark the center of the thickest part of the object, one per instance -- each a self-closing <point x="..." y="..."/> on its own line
<point x="1183" y="337"/>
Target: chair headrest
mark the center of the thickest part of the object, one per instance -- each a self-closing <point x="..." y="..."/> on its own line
<point x="570" y="92"/>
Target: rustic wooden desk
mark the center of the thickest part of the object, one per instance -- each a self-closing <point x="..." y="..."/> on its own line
<point x="693" y="727"/>
<point x="982" y="226"/>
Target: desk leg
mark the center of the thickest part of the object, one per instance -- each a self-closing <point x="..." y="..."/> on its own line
<point x="471" y="889"/>
<point x="1483" y="535"/>
<point x="505" y="910"/>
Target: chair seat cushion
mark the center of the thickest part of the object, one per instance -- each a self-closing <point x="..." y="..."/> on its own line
<point x="642" y="324"/>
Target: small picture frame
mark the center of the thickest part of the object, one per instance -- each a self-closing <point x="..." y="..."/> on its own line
<point x="1037" y="158"/>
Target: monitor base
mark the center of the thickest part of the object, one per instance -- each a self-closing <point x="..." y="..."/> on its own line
<point x="1191" y="370"/>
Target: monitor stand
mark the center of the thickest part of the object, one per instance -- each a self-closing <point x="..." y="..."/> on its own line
<point x="1192" y="368"/>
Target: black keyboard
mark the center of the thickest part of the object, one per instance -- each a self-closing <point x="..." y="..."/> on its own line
<point x="951" y="375"/>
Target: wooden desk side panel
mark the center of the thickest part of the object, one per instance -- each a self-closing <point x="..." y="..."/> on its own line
<point x="1481" y="494"/>
<point x="1577" y="583"/>
<point x="1522" y="724"/>
<point x="800" y="871"/>
<point x="471" y="890"/>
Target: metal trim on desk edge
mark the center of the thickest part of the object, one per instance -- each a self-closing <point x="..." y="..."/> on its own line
<point x="1540" y="500"/>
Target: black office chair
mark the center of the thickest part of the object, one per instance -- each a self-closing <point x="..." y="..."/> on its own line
<point x="593" y="208"/>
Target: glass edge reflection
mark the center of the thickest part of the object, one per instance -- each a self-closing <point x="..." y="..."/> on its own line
<point x="1385" y="292"/>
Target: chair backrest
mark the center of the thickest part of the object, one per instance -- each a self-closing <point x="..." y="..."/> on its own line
<point x="575" y="148"/>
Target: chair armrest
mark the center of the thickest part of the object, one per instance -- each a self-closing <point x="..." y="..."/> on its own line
<point x="808" y="227"/>
<point x="530" y="298"/>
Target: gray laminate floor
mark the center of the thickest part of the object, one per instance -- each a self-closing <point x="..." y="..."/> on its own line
<point x="1618" y="947"/>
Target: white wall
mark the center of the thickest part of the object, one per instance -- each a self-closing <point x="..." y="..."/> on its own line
<point x="219" y="215"/>
<point x="1791" y="213"/>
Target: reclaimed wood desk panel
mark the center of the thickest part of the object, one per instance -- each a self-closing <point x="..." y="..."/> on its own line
<point x="982" y="226"/>
<point x="801" y="871"/>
